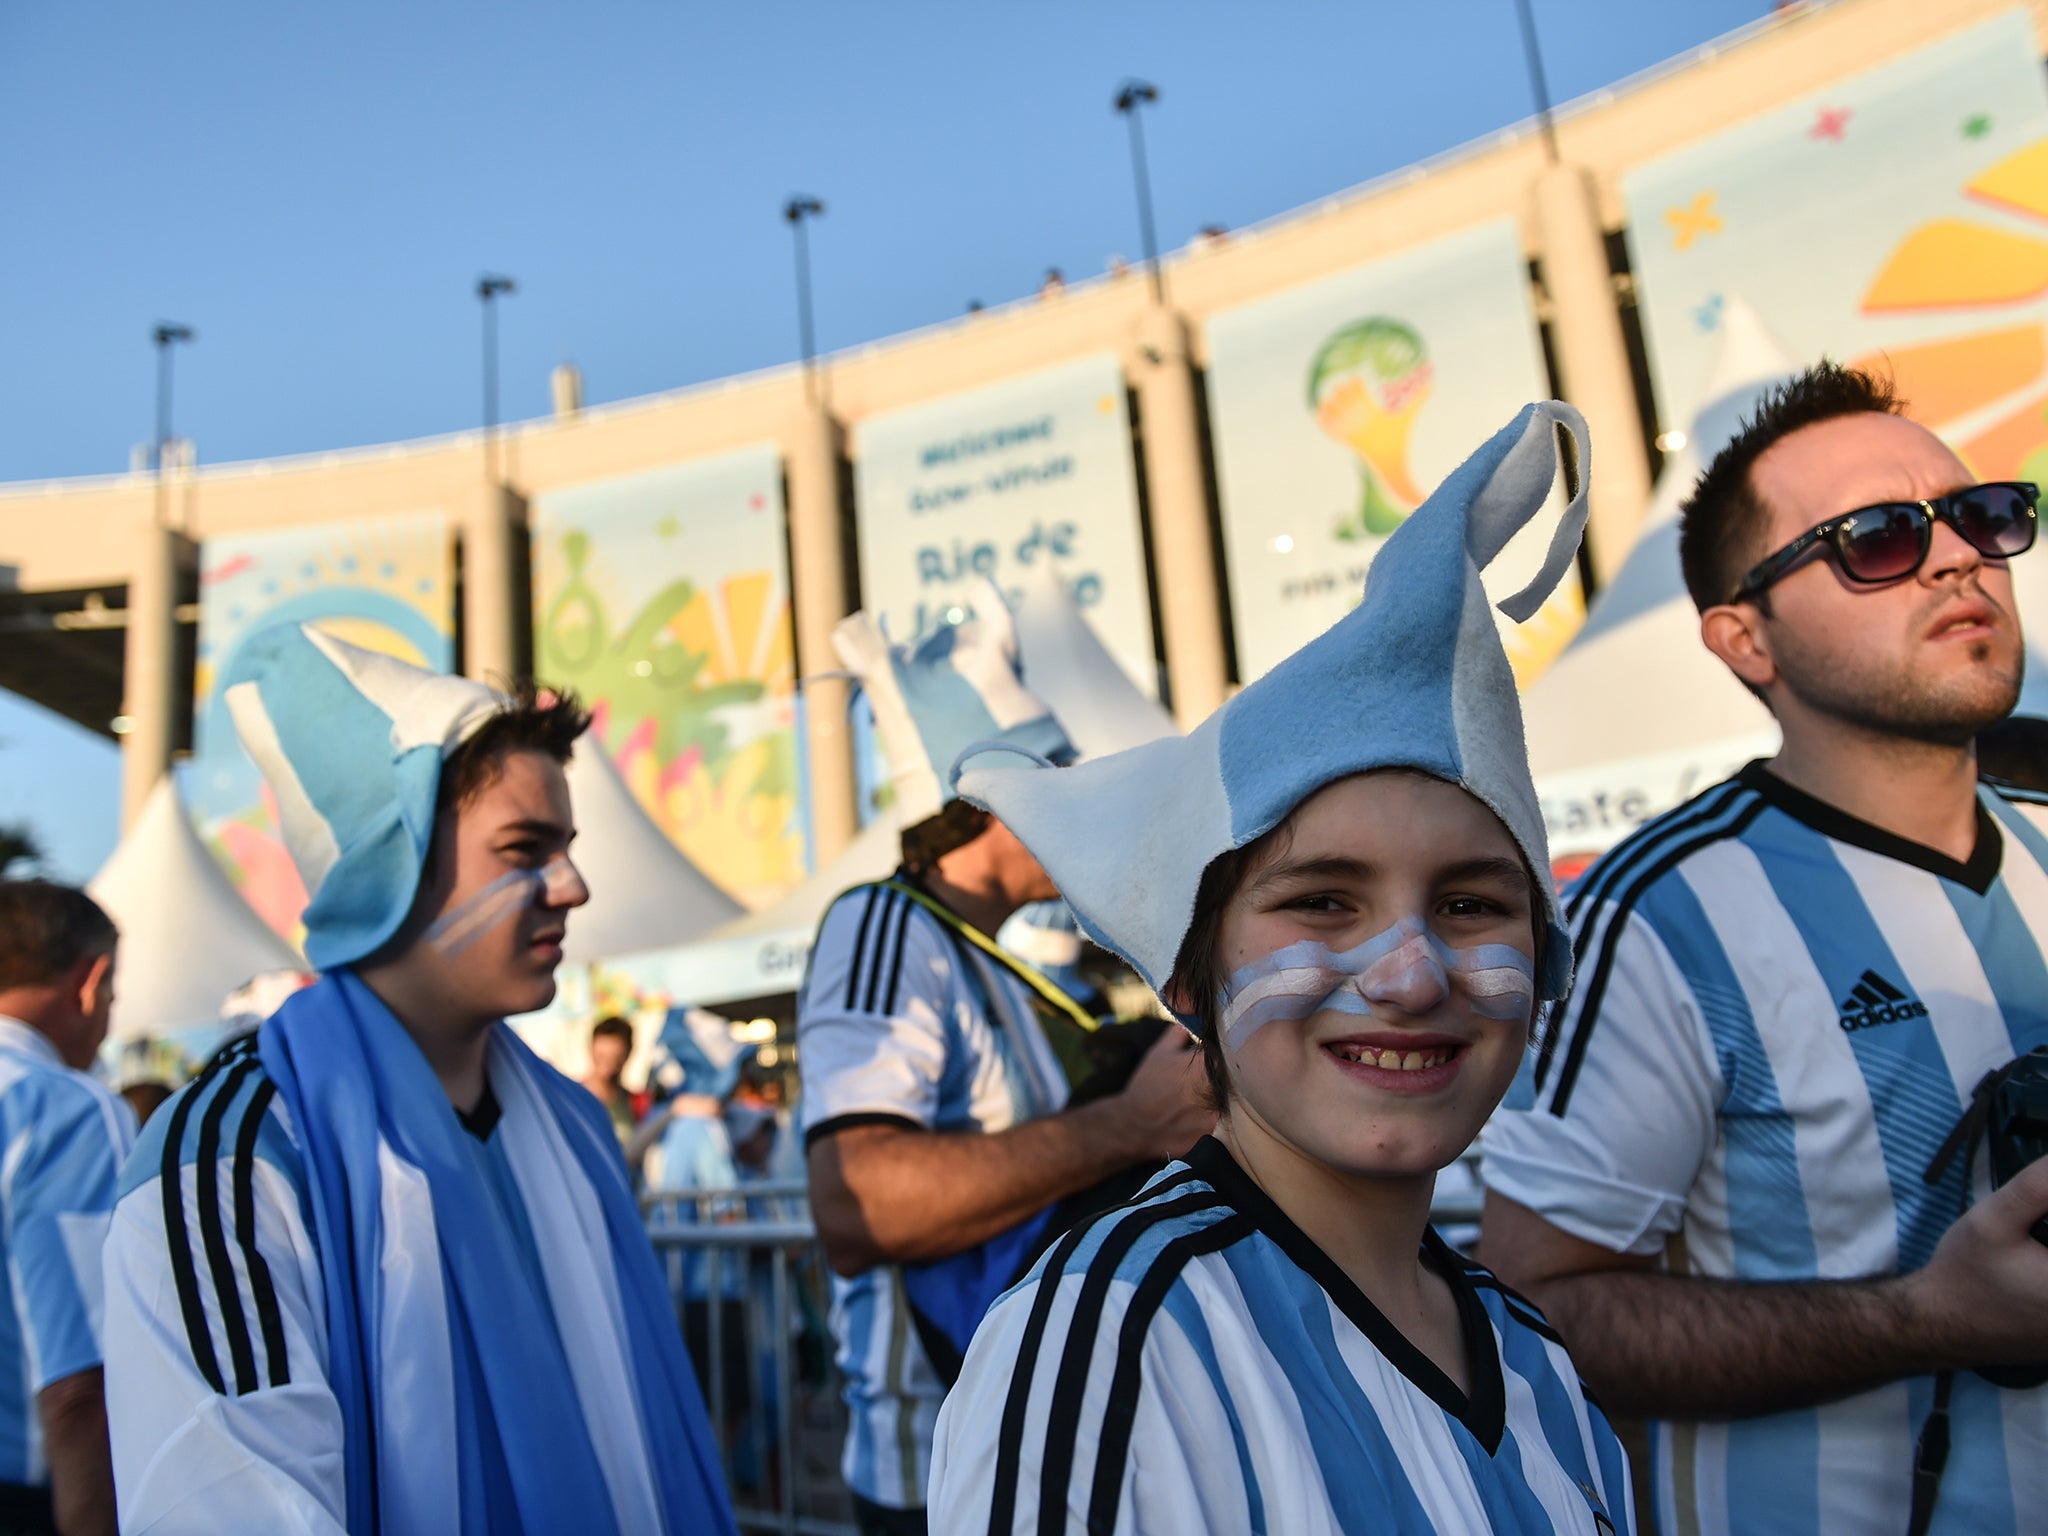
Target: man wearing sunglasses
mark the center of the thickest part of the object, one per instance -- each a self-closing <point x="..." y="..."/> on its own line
<point x="1713" y="1171"/>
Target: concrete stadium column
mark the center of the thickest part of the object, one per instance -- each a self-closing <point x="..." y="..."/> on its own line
<point x="494" y="597"/>
<point x="1177" y="497"/>
<point x="819" y="594"/>
<point x="149" y="665"/>
<point x="1592" y="359"/>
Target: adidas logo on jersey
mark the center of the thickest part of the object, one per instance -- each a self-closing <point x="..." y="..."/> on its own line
<point x="1875" y="1001"/>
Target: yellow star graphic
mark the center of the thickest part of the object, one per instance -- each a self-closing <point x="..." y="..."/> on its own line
<point x="1693" y="221"/>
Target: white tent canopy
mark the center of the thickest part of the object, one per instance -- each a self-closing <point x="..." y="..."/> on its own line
<point x="1637" y="714"/>
<point x="643" y="892"/>
<point x="187" y="937"/>
<point x="764" y="952"/>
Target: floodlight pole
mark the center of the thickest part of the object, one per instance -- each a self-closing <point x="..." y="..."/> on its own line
<point x="1532" y="51"/>
<point x="1129" y="97"/>
<point x="797" y="210"/>
<point x="488" y="287"/>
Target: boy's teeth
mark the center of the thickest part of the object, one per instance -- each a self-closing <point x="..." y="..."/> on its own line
<point x="1395" y="1061"/>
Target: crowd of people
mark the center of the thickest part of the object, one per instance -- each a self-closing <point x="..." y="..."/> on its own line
<point x="1745" y="1092"/>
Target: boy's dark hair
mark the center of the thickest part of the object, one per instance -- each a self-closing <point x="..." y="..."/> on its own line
<point x="612" y="1027"/>
<point x="1199" y="971"/>
<point x="531" y="720"/>
<point x="1721" y="524"/>
<point x="46" y="929"/>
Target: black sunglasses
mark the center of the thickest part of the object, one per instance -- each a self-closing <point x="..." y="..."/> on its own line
<point x="1891" y="540"/>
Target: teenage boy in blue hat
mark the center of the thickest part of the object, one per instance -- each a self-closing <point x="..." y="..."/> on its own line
<point x="936" y="1094"/>
<point x="1339" y="883"/>
<point x="378" y="1268"/>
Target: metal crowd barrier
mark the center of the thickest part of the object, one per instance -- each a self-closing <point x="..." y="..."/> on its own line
<point x="753" y="1296"/>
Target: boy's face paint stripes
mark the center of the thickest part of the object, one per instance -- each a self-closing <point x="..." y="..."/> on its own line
<point x="555" y="884"/>
<point x="1405" y="965"/>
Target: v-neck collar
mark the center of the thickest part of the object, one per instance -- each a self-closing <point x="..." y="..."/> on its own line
<point x="1975" y="874"/>
<point x="1484" y="1410"/>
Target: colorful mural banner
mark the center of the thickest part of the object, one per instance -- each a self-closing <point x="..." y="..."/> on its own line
<point x="1337" y="406"/>
<point x="995" y="480"/>
<point x="663" y="599"/>
<point x="1898" y="217"/>
<point x="385" y="584"/>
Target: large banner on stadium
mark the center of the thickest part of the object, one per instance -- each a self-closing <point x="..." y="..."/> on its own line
<point x="993" y="481"/>
<point x="1899" y="217"/>
<point x="663" y="598"/>
<point x="1336" y="408"/>
<point x="384" y="584"/>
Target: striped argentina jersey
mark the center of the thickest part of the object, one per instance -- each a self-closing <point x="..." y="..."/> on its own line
<point x="65" y="1137"/>
<point x="1780" y="1013"/>
<point x="218" y="1395"/>
<point x="900" y="1022"/>
<point x="1193" y="1362"/>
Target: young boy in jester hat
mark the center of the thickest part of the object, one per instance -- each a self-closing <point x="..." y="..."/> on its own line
<point x="378" y="1268"/>
<point x="1339" y="883"/>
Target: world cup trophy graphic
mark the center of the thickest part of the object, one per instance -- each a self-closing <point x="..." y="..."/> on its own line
<point x="1366" y="385"/>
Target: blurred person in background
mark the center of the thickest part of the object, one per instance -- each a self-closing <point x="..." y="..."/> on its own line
<point x="145" y="1098"/>
<point x="66" y="1137"/>
<point x="1722" y="1173"/>
<point x="276" y="1366"/>
<point x="611" y="1042"/>
<point x="941" y="1076"/>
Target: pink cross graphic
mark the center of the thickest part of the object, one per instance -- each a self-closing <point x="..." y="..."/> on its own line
<point x="1830" y="124"/>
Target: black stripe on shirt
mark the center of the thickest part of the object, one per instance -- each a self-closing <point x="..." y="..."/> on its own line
<point x="177" y="1235"/>
<point x="1617" y="921"/>
<point x="1606" y="879"/>
<point x="894" y="919"/>
<point x="227" y="1286"/>
<point x="1113" y="1438"/>
<point x="1010" y="1438"/>
<point x="860" y="944"/>
<point x="268" y="1317"/>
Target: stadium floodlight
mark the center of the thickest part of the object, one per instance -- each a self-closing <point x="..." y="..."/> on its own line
<point x="168" y="333"/>
<point x="1129" y="97"/>
<point x="488" y="287"/>
<point x="798" y="209"/>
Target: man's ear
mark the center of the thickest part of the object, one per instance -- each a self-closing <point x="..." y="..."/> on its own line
<point x="1735" y="633"/>
<point x="92" y="977"/>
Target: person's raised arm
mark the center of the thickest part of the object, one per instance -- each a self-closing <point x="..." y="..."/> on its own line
<point x="1656" y="1345"/>
<point x="892" y="1194"/>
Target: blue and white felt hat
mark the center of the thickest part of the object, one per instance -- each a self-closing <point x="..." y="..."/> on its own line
<point x="351" y="742"/>
<point x="1414" y="677"/>
<point x="933" y="700"/>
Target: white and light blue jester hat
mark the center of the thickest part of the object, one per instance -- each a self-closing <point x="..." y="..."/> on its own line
<point x="352" y="743"/>
<point x="957" y="686"/>
<point x="1414" y="677"/>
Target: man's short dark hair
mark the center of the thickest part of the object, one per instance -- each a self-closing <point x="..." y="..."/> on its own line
<point x="532" y="720"/>
<point x="612" y="1027"/>
<point x="46" y="929"/>
<point x="954" y="827"/>
<point x="1721" y="526"/>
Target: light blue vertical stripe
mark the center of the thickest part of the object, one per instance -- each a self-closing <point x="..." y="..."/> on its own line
<point x="1768" y="1228"/>
<point x="1181" y="1307"/>
<point x="1902" y="1064"/>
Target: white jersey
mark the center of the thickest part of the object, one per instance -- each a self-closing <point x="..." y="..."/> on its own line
<point x="1192" y="1362"/>
<point x="217" y="1361"/>
<point x="65" y="1138"/>
<point x="1780" y="1012"/>
<point x="901" y="1021"/>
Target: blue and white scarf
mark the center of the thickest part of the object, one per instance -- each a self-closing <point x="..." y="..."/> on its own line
<point x="459" y="1379"/>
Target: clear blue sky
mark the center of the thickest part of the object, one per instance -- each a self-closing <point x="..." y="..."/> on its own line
<point x="314" y="190"/>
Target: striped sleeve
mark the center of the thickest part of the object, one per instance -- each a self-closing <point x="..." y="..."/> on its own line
<point x="1084" y="1405"/>
<point x="218" y="1406"/>
<point x="1614" y="1111"/>
<point x="872" y="1021"/>
<point x="59" y="1175"/>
